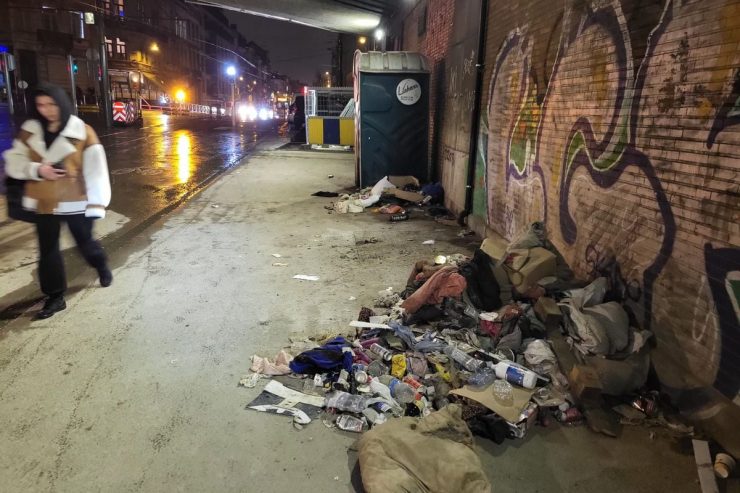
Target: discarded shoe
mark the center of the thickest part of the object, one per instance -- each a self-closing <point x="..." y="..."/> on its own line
<point x="51" y="306"/>
<point x="106" y="277"/>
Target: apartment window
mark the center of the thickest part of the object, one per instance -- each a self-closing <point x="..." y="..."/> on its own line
<point x="116" y="49"/>
<point x="113" y="7"/>
<point x="181" y="28"/>
<point x="49" y="21"/>
<point x="120" y="49"/>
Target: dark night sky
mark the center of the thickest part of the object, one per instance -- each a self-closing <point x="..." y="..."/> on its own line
<point x="295" y="50"/>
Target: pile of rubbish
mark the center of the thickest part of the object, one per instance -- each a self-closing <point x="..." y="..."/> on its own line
<point x="392" y="195"/>
<point x="492" y="345"/>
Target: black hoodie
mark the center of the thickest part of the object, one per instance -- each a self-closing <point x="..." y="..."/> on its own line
<point x="65" y="109"/>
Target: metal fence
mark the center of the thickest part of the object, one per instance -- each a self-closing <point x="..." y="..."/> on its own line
<point x="327" y="101"/>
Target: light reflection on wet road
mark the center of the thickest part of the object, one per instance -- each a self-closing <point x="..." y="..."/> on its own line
<point x="171" y="156"/>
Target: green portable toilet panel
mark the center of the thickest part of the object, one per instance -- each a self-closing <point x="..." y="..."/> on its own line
<point x="393" y="115"/>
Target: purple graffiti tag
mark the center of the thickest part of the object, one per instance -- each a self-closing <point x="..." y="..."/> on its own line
<point x="719" y="262"/>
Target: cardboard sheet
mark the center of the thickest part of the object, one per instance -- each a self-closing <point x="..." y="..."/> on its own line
<point x="485" y="397"/>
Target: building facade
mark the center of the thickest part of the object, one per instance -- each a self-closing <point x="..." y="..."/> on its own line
<point x="173" y="47"/>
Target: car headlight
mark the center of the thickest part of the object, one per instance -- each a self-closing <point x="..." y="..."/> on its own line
<point x="263" y="114"/>
<point x="243" y="112"/>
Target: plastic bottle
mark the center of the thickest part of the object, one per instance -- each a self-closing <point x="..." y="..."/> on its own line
<point x="374" y="417"/>
<point x="377" y="368"/>
<point x="350" y="423"/>
<point x="383" y="353"/>
<point x="463" y="358"/>
<point x="346" y="402"/>
<point x="482" y="378"/>
<point x="503" y="391"/>
<point x="401" y="392"/>
<point x="378" y="387"/>
<point x="513" y="373"/>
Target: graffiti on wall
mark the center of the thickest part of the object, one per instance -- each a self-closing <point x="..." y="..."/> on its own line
<point x="617" y="143"/>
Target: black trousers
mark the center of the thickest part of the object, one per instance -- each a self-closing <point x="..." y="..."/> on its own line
<point x="51" y="265"/>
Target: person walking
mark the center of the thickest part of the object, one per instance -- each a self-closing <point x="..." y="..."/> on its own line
<point x="66" y="181"/>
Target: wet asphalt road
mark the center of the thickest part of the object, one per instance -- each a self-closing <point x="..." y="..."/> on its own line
<point x="153" y="169"/>
<point x="169" y="158"/>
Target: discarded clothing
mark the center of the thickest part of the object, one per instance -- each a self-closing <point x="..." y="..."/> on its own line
<point x="434" y="190"/>
<point x="403" y="333"/>
<point x="482" y="287"/>
<point x="444" y="283"/>
<point x="267" y="367"/>
<point x="434" y="454"/>
<point x="595" y="327"/>
<point x="426" y="313"/>
<point x="332" y="356"/>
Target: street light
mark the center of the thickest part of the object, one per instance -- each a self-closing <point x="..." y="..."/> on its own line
<point x="231" y="72"/>
<point x="154" y="48"/>
<point x="380" y="36"/>
<point x="362" y="40"/>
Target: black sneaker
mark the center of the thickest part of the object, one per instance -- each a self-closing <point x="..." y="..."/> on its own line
<point x="106" y="277"/>
<point x="51" y="306"/>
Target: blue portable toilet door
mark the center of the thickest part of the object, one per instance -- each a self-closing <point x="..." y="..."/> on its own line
<point x="394" y="126"/>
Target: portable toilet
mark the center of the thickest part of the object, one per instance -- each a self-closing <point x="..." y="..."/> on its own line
<point x="391" y="116"/>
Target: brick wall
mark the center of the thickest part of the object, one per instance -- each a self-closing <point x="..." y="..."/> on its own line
<point x="616" y="122"/>
<point x="434" y="44"/>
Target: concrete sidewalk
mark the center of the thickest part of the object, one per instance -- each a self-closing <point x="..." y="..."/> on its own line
<point x="134" y="387"/>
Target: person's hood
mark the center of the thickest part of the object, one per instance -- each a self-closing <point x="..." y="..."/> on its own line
<point x="59" y="96"/>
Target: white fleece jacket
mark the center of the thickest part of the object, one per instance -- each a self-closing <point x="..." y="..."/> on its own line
<point x="20" y="165"/>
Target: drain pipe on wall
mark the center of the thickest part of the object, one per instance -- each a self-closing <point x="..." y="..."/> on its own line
<point x="475" y="127"/>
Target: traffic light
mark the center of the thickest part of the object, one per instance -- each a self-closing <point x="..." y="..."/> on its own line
<point x="75" y="69"/>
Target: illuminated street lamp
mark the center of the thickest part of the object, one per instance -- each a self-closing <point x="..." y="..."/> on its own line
<point x="380" y="36"/>
<point x="180" y="96"/>
<point x="231" y="72"/>
<point x="154" y="48"/>
<point x="362" y="40"/>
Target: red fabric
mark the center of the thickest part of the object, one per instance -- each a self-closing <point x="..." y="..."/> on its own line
<point x="445" y="283"/>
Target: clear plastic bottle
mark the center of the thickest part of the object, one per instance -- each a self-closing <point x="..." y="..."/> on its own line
<point x="382" y="390"/>
<point x="482" y="378"/>
<point x="377" y="368"/>
<point x="401" y="392"/>
<point x="350" y="423"/>
<point x="503" y="391"/>
<point x="346" y="402"/>
<point x="463" y="358"/>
